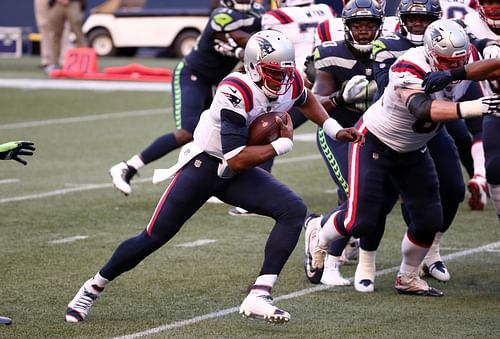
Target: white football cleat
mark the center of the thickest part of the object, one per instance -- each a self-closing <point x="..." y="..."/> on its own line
<point x="331" y="273"/>
<point x="240" y="212"/>
<point x="436" y="269"/>
<point x="121" y="174"/>
<point x="79" y="307"/>
<point x="478" y="193"/>
<point x="314" y="255"/>
<point x="260" y="307"/>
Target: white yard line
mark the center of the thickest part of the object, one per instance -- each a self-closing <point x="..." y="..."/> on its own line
<point x="197" y="243"/>
<point x="8" y="181"/>
<point x="68" y="239"/>
<point x="85" y="85"/>
<point x="104" y="116"/>
<point x="224" y="312"/>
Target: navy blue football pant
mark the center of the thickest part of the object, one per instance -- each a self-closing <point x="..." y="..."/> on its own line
<point x="254" y="190"/>
<point x="191" y="96"/>
<point x="373" y="167"/>
<point x="491" y="143"/>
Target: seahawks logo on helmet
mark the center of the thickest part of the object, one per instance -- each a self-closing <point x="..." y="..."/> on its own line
<point x="265" y="46"/>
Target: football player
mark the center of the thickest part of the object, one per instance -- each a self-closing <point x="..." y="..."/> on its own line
<point x="220" y="164"/>
<point x="397" y="129"/>
<point x="344" y="85"/>
<point x="194" y="80"/>
<point x="457" y="9"/>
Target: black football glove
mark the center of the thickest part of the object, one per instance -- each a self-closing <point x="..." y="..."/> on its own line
<point x="436" y="81"/>
<point x="13" y="149"/>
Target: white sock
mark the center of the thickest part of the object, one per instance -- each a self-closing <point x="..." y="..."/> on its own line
<point x="477" y="153"/>
<point x="100" y="281"/>
<point x="433" y="254"/>
<point x="136" y="162"/>
<point x="413" y="255"/>
<point x="366" y="265"/>
<point x="267" y="281"/>
<point x="328" y="232"/>
<point x="495" y="197"/>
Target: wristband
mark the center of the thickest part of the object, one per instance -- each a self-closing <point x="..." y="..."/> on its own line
<point x="470" y="109"/>
<point x="331" y="128"/>
<point x="282" y="145"/>
<point x="336" y="99"/>
<point x="458" y="73"/>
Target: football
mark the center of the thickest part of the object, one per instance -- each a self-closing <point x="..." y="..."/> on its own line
<point x="264" y="129"/>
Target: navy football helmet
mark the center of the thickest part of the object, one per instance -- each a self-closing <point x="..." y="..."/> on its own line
<point x="425" y="8"/>
<point x="357" y="10"/>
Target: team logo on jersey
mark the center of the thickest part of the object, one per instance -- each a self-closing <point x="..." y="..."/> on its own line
<point x="265" y="46"/>
<point x="233" y="99"/>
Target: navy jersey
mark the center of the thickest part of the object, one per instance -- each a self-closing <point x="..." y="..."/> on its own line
<point x="204" y="60"/>
<point x="385" y="51"/>
<point x="335" y="58"/>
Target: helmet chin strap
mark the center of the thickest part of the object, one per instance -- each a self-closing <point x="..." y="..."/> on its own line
<point x="416" y="39"/>
<point x="362" y="48"/>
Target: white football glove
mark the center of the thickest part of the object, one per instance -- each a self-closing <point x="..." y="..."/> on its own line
<point x="229" y="48"/>
<point x="489" y="105"/>
<point x="491" y="51"/>
<point x="354" y="90"/>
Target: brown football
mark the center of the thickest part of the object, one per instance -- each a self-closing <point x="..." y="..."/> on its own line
<point x="264" y="129"/>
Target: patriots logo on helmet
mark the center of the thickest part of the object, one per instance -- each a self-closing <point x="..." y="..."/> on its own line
<point x="233" y="99"/>
<point x="436" y="36"/>
<point x="265" y="46"/>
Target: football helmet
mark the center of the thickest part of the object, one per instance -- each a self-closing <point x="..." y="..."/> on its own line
<point x="238" y="5"/>
<point x="408" y="8"/>
<point x="270" y="59"/>
<point x="446" y="45"/>
<point x="356" y="10"/>
<point x="293" y="3"/>
<point x="490" y="13"/>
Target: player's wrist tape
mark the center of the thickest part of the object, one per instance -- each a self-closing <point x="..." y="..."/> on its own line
<point x="458" y="73"/>
<point x="331" y="128"/>
<point x="470" y="109"/>
<point x="282" y="145"/>
<point x="336" y="99"/>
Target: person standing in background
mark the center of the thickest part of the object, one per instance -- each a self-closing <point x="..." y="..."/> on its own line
<point x="60" y="12"/>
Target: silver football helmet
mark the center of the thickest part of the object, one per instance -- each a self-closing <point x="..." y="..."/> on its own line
<point x="238" y="5"/>
<point x="446" y="45"/>
<point x="270" y="61"/>
<point x="293" y="3"/>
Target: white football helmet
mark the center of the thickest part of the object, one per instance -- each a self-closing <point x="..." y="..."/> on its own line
<point x="238" y="5"/>
<point x="446" y="45"/>
<point x="270" y="59"/>
<point x="294" y="3"/>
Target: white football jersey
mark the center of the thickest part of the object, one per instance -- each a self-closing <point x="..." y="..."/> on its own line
<point x="298" y="24"/>
<point x="478" y="27"/>
<point x="389" y="119"/>
<point x="457" y="8"/>
<point x="333" y="29"/>
<point x="238" y="93"/>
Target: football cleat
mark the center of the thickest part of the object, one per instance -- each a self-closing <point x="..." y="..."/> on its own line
<point x="437" y="270"/>
<point x="240" y="212"/>
<point x="478" y="193"/>
<point x="121" y="174"/>
<point x="260" y="307"/>
<point x="331" y="273"/>
<point x="5" y="321"/>
<point x="351" y="251"/>
<point x="364" y="285"/>
<point x="79" y="307"/>
<point x="314" y="254"/>
<point x="411" y="283"/>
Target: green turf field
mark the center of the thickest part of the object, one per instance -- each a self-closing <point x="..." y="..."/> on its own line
<point x="60" y="220"/>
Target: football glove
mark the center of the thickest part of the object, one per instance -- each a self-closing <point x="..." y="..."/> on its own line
<point x="492" y="50"/>
<point x="489" y="105"/>
<point x="13" y="149"/>
<point x="436" y="81"/>
<point x="229" y="48"/>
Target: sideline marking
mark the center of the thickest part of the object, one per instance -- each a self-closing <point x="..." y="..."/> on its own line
<point x="79" y="119"/>
<point x="8" y="181"/>
<point x="196" y="243"/>
<point x="69" y="239"/>
<point x="221" y="313"/>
